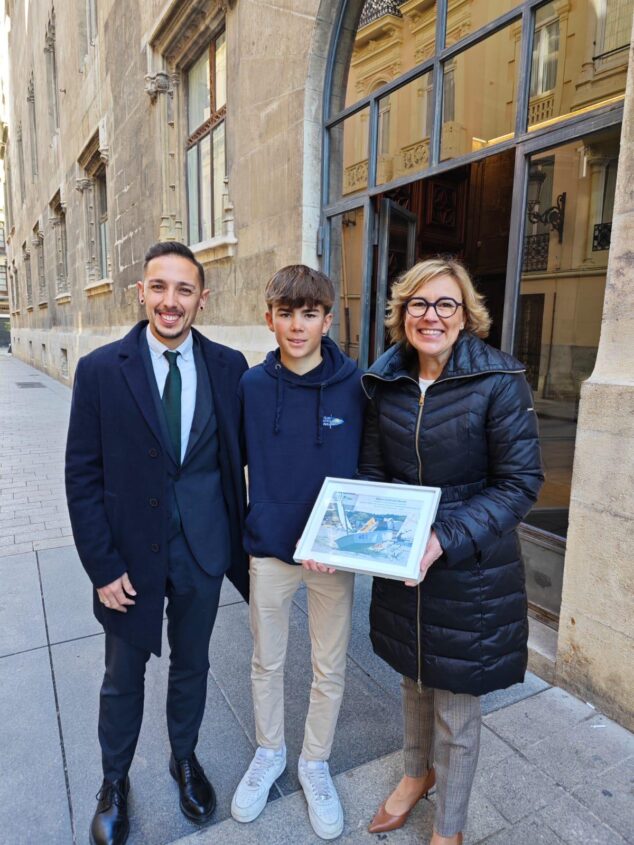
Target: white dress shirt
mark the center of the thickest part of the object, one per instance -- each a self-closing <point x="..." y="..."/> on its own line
<point x="187" y="366"/>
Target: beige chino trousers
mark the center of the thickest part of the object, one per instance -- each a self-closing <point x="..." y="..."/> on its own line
<point x="273" y="585"/>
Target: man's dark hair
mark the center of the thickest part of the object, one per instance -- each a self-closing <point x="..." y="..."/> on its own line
<point x="299" y="286"/>
<point x="174" y="248"/>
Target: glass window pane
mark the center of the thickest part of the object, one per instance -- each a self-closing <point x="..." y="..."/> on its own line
<point x="464" y="18"/>
<point x="198" y="101"/>
<point x="405" y="130"/>
<point x="349" y="155"/>
<point x="346" y="265"/>
<point x="192" y="195"/>
<point x="564" y="266"/>
<point x="392" y="37"/>
<point x="576" y="63"/>
<point x="221" y="71"/>
<point x="205" y="188"/>
<point x="219" y="175"/>
<point x="478" y="95"/>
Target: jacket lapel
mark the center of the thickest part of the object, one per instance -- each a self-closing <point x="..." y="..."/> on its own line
<point x="135" y="373"/>
<point x="204" y="402"/>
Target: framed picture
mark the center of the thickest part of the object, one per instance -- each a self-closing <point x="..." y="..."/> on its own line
<point x="371" y="527"/>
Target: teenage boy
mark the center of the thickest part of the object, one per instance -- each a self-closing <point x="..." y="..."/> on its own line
<point x="303" y="416"/>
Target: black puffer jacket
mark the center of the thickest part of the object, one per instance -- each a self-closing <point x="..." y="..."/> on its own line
<point x="464" y="628"/>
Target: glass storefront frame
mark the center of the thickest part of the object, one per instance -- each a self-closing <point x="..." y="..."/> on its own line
<point x="525" y="141"/>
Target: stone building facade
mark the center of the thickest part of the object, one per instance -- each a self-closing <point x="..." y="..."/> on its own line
<point x="358" y="137"/>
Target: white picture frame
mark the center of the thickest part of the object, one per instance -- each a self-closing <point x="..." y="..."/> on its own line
<point x="372" y="527"/>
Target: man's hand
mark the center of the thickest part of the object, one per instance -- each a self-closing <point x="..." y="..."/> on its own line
<point x="433" y="551"/>
<point x="313" y="566"/>
<point x="116" y="596"/>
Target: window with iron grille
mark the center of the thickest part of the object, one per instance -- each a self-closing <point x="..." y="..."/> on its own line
<point x="206" y="86"/>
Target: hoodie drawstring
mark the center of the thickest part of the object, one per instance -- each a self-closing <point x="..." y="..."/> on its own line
<point x="320" y="415"/>
<point x="279" y="399"/>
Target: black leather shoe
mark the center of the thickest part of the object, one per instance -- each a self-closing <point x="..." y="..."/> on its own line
<point x="197" y="796"/>
<point x="110" y="825"/>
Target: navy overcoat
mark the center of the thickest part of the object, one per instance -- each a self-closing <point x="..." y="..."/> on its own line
<point x="116" y="477"/>
<point x="474" y="435"/>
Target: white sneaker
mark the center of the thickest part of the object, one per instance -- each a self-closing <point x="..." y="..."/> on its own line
<point x="324" y="807"/>
<point x="250" y="797"/>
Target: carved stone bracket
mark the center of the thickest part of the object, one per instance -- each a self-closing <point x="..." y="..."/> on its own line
<point x="157" y="83"/>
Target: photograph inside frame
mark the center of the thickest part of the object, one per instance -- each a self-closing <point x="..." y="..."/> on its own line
<point x="373" y="527"/>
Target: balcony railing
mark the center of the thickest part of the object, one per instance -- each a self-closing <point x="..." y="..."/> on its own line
<point x="535" y="252"/>
<point x="601" y="237"/>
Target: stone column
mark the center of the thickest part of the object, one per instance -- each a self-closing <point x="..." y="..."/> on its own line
<point x="595" y="656"/>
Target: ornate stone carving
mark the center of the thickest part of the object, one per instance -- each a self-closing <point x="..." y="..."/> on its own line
<point x="157" y="83"/>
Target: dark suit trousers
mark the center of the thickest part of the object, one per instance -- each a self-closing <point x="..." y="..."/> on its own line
<point x="192" y="604"/>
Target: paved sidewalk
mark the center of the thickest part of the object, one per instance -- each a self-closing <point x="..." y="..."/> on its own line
<point x="552" y="769"/>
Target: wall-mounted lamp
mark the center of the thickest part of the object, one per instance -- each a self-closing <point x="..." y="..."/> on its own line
<point x="554" y="215"/>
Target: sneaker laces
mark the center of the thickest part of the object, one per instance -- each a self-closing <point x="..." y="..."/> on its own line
<point x="259" y="767"/>
<point x="320" y="783"/>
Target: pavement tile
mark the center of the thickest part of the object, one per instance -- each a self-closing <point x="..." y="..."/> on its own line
<point x="54" y="543"/>
<point x="15" y="549"/>
<point x="33" y="796"/>
<point x="21" y="616"/>
<point x="611" y="797"/>
<point x="518" y="692"/>
<point x="154" y="810"/>
<point x="67" y="595"/>
<point x="538" y="717"/>
<point x="575" y="824"/>
<point x="532" y="831"/>
<point x="582" y="752"/>
<point x="229" y="594"/>
<point x="516" y="788"/>
<point x="492" y="749"/>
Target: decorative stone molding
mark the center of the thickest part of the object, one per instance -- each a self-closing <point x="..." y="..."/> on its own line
<point x="63" y="298"/>
<point x="355" y="177"/>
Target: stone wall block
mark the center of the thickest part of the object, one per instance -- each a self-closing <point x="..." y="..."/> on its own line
<point x="596" y="663"/>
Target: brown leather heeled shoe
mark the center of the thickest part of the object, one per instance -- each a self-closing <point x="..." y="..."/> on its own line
<point x="384" y="821"/>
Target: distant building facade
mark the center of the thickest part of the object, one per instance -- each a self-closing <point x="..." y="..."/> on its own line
<point x="359" y="137"/>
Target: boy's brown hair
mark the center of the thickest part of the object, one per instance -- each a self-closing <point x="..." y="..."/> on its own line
<point x="299" y="286"/>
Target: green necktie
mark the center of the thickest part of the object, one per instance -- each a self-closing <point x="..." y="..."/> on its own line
<point x="172" y="402"/>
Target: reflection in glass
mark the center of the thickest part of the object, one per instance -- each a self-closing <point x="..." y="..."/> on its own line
<point x="346" y="263"/>
<point x="349" y="155"/>
<point x="219" y="175"/>
<point x="465" y="16"/>
<point x="476" y="118"/>
<point x="198" y="101"/>
<point x="192" y="195"/>
<point x="221" y="72"/>
<point x="405" y="121"/>
<point x="403" y="34"/>
<point x="579" y="57"/>
<point x="561" y="299"/>
<point x="205" y="188"/>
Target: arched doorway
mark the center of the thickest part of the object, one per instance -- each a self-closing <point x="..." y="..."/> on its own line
<point x="502" y="148"/>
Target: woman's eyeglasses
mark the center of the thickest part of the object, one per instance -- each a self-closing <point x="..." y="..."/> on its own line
<point x="444" y="307"/>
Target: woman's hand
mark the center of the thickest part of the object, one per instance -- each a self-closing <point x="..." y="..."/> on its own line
<point x="433" y="551"/>
<point x="313" y="566"/>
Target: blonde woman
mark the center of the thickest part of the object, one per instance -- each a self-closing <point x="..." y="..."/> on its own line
<point x="449" y="411"/>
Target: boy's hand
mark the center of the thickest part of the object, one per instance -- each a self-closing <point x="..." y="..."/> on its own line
<point x="313" y="566"/>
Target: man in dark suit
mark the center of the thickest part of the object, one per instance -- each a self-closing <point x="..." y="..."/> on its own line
<point x="155" y="487"/>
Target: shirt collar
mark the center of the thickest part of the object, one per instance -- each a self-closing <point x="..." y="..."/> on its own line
<point x="157" y="348"/>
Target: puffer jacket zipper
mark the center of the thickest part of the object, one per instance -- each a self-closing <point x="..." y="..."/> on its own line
<point x="421" y="403"/>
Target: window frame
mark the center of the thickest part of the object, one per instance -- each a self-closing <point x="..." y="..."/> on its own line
<point x="197" y="137"/>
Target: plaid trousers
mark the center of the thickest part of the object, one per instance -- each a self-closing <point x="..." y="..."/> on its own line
<point x="442" y="729"/>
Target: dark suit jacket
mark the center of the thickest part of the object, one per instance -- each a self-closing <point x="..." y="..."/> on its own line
<point x="117" y="471"/>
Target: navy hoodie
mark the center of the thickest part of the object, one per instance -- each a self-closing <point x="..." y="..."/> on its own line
<point x="298" y="430"/>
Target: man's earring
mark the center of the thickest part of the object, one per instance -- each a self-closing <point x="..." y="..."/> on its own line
<point x="141" y="302"/>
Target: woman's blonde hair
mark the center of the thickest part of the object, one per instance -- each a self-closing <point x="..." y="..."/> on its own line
<point x="476" y="316"/>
